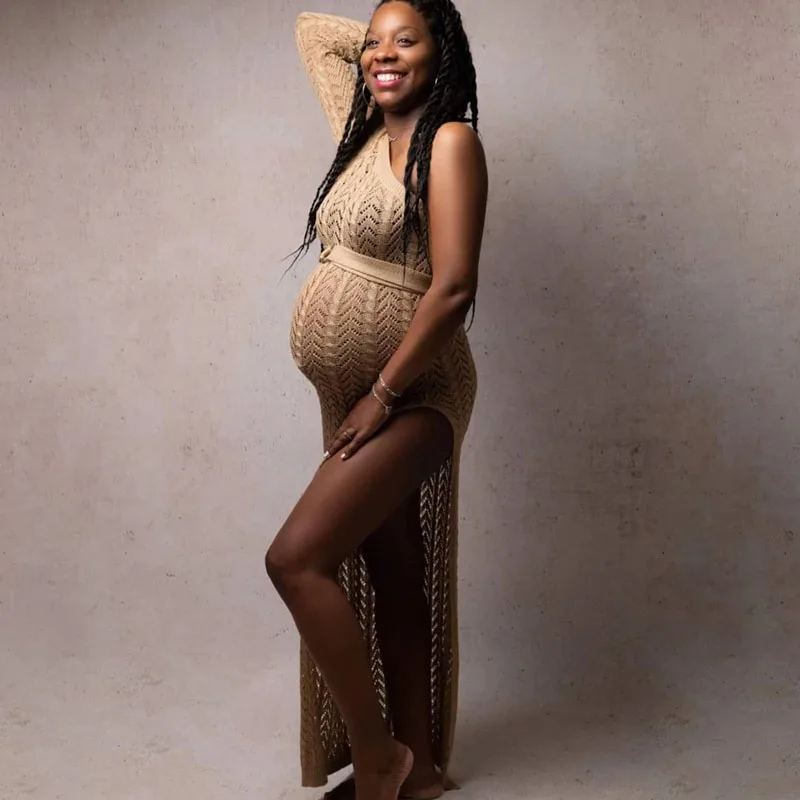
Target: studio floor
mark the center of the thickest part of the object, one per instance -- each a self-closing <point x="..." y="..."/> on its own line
<point x="216" y="729"/>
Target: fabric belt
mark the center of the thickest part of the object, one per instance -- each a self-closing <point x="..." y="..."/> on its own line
<point x="384" y="272"/>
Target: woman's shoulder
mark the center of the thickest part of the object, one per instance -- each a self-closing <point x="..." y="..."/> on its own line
<point x="457" y="143"/>
<point x="455" y="128"/>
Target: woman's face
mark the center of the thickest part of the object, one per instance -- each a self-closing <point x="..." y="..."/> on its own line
<point x="399" y="61"/>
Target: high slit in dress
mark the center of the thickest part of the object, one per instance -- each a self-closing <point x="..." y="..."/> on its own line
<point x="349" y="318"/>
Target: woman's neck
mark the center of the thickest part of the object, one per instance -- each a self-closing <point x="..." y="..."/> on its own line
<point x="401" y="125"/>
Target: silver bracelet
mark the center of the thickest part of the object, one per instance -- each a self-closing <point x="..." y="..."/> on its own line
<point x="387" y="409"/>
<point x="388" y="391"/>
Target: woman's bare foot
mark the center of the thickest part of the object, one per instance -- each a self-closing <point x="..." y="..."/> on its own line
<point x="421" y="784"/>
<point x="384" y="782"/>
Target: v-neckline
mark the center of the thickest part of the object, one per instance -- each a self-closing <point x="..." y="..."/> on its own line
<point x="384" y="157"/>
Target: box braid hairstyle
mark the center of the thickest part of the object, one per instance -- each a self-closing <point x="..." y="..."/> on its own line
<point x="453" y="98"/>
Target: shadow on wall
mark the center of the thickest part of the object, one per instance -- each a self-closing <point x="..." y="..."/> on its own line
<point x="627" y="577"/>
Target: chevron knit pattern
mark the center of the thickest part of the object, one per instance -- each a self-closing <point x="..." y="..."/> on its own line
<point x="345" y="327"/>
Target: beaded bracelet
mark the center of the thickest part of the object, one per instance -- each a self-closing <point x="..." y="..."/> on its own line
<point x="387" y="409"/>
<point x="388" y="391"/>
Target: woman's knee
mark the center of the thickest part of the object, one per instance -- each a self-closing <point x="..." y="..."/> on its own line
<point x="285" y="564"/>
<point x="278" y="567"/>
<point x="292" y="557"/>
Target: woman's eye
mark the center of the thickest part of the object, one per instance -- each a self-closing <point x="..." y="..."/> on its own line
<point x="405" y="42"/>
<point x="371" y="43"/>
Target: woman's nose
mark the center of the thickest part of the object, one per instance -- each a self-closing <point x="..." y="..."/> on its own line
<point x="385" y="52"/>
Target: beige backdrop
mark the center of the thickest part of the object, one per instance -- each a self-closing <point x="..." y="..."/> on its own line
<point x="631" y="489"/>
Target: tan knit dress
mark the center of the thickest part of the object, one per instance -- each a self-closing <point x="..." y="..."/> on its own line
<point x="350" y="317"/>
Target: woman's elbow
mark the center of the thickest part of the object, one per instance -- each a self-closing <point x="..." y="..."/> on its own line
<point x="456" y="299"/>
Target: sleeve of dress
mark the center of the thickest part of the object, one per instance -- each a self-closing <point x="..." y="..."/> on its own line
<point x="329" y="47"/>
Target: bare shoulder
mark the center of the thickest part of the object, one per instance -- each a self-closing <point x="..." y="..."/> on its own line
<point x="456" y="144"/>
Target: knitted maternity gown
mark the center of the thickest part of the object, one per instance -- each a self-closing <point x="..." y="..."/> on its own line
<point x="349" y="318"/>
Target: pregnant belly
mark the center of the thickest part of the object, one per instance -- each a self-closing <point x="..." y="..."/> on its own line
<point x="345" y="327"/>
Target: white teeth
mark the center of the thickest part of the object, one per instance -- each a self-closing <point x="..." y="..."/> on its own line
<point x="386" y="77"/>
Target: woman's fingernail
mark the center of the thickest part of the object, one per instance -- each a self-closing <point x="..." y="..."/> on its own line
<point x="326" y="455"/>
<point x="344" y="456"/>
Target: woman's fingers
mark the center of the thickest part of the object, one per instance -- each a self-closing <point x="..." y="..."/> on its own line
<point x="360" y="439"/>
<point x="341" y="438"/>
<point x="353" y="446"/>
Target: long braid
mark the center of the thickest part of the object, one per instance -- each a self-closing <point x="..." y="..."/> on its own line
<point x="358" y="128"/>
<point x="453" y="98"/>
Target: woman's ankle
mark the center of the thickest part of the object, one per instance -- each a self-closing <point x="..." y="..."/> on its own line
<point x="425" y="774"/>
<point x="424" y="762"/>
<point x="376" y="754"/>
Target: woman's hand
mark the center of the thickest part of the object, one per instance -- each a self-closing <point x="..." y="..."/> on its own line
<point x="367" y="417"/>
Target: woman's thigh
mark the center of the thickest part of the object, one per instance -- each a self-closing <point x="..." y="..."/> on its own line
<point x="346" y="501"/>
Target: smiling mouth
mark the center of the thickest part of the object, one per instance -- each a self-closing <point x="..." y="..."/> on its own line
<point x="389" y="79"/>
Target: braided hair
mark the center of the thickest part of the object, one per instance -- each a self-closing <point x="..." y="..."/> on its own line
<point x="453" y="98"/>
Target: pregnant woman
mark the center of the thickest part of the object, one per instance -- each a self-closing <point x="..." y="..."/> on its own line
<point x="366" y="561"/>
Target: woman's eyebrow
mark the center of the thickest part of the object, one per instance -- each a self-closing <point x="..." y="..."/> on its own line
<point x="411" y="28"/>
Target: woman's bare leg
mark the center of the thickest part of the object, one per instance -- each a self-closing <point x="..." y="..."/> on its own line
<point x="343" y="505"/>
<point x="396" y="561"/>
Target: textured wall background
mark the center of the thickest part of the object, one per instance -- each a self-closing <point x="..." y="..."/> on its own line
<point x="631" y="493"/>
